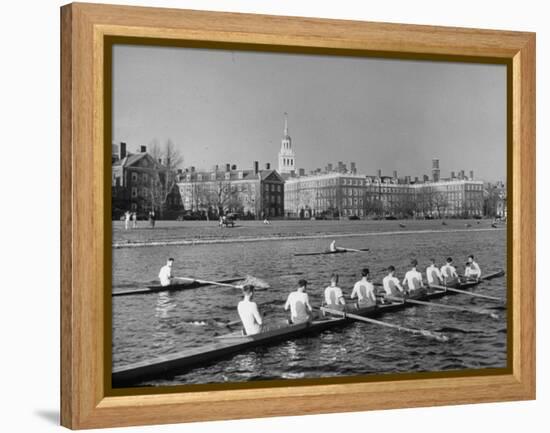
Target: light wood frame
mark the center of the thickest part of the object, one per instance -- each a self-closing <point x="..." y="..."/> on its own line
<point x="85" y="402"/>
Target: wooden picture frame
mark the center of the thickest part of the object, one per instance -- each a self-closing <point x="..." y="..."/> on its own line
<point x="87" y="400"/>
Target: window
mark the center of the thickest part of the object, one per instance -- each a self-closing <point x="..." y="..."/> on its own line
<point x="134" y="177"/>
<point x="134" y="191"/>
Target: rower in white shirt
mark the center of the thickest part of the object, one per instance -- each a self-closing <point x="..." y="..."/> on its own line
<point x="333" y="246"/>
<point x="364" y="290"/>
<point x="333" y="293"/>
<point x="391" y="284"/>
<point x="433" y="274"/>
<point x="165" y="274"/>
<point x="298" y="302"/>
<point x="413" y="279"/>
<point x="473" y="270"/>
<point x="248" y="312"/>
<point x="448" y="271"/>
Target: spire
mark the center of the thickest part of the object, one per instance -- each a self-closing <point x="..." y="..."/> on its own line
<point x="286" y="124"/>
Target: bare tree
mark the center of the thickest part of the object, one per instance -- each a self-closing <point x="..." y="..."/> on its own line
<point x="372" y="205"/>
<point x="440" y="202"/>
<point x="163" y="183"/>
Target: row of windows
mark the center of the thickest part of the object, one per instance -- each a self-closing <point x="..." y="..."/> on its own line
<point x="272" y="187"/>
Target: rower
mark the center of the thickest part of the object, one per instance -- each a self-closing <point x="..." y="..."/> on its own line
<point x="333" y="293"/>
<point x="391" y="284"/>
<point x="248" y="312"/>
<point x="473" y="271"/>
<point x="165" y="274"/>
<point x="448" y="271"/>
<point x="364" y="290"/>
<point x="413" y="279"/>
<point x="433" y="274"/>
<point x="298" y="302"/>
<point x="333" y="246"/>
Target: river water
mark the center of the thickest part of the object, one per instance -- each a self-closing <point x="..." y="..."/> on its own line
<point x="146" y="326"/>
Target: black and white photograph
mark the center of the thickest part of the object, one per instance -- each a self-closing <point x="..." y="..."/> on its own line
<point x="287" y="216"/>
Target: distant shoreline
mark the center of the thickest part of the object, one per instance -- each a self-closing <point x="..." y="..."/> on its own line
<point x="137" y="244"/>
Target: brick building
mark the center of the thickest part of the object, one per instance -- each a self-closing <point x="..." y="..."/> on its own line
<point x="252" y="193"/>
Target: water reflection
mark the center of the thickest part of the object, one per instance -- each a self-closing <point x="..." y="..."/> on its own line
<point x="165" y="303"/>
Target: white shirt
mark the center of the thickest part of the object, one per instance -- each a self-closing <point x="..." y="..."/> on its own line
<point x="333" y="246"/>
<point x="473" y="270"/>
<point x="413" y="279"/>
<point x="364" y="290"/>
<point x="433" y="275"/>
<point x="250" y="317"/>
<point x="391" y="285"/>
<point x="334" y="295"/>
<point x="165" y="275"/>
<point x="448" y="271"/>
<point x="298" y="303"/>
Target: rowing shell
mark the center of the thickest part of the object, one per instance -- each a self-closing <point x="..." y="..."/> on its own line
<point x="172" y="287"/>
<point x="339" y="251"/>
<point x="229" y="344"/>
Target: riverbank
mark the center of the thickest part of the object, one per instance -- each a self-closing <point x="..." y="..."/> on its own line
<point x="173" y="233"/>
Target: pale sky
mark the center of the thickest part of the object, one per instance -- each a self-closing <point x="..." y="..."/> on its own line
<point x="222" y="107"/>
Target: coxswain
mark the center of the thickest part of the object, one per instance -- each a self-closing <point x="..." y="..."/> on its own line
<point x="433" y="274"/>
<point x="364" y="290"/>
<point x="448" y="271"/>
<point x="413" y="279"/>
<point x="165" y="274"/>
<point x="472" y="271"/>
<point x="248" y="312"/>
<point x="391" y="284"/>
<point x="298" y="302"/>
<point x="333" y="293"/>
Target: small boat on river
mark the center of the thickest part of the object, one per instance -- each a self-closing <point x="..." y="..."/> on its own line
<point x="173" y="287"/>
<point x="338" y="251"/>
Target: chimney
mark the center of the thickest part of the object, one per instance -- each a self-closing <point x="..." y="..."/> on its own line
<point x="329" y="167"/>
<point x="416" y="179"/>
<point x="407" y="179"/>
<point x="452" y="174"/>
<point x="353" y="167"/>
<point x="462" y="175"/>
<point x="426" y="178"/>
<point x="167" y="162"/>
<point x="435" y="170"/>
<point x="302" y="172"/>
<point x="267" y="166"/>
<point x="340" y="166"/>
<point x="471" y="174"/>
<point x="256" y="167"/>
<point x="234" y="167"/>
<point x="227" y="167"/>
<point x="379" y="172"/>
<point x="192" y="169"/>
<point x="143" y="149"/>
<point x="395" y="174"/>
<point x="122" y="150"/>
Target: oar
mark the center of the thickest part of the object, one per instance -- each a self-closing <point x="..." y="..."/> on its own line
<point x="449" y="307"/>
<point x="256" y="282"/>
<point x="465" y="292"/>
<point x="424" y="332"/>
<point x="354" y="249"/>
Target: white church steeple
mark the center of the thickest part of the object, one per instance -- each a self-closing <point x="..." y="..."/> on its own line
<point x="287" y="158"/>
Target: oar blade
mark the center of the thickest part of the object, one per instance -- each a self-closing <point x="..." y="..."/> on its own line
<point x="258" y="283"/>
<point x="442" y="338"/>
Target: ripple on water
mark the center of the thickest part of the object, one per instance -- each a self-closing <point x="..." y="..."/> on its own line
<point x="150" y="325"/>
